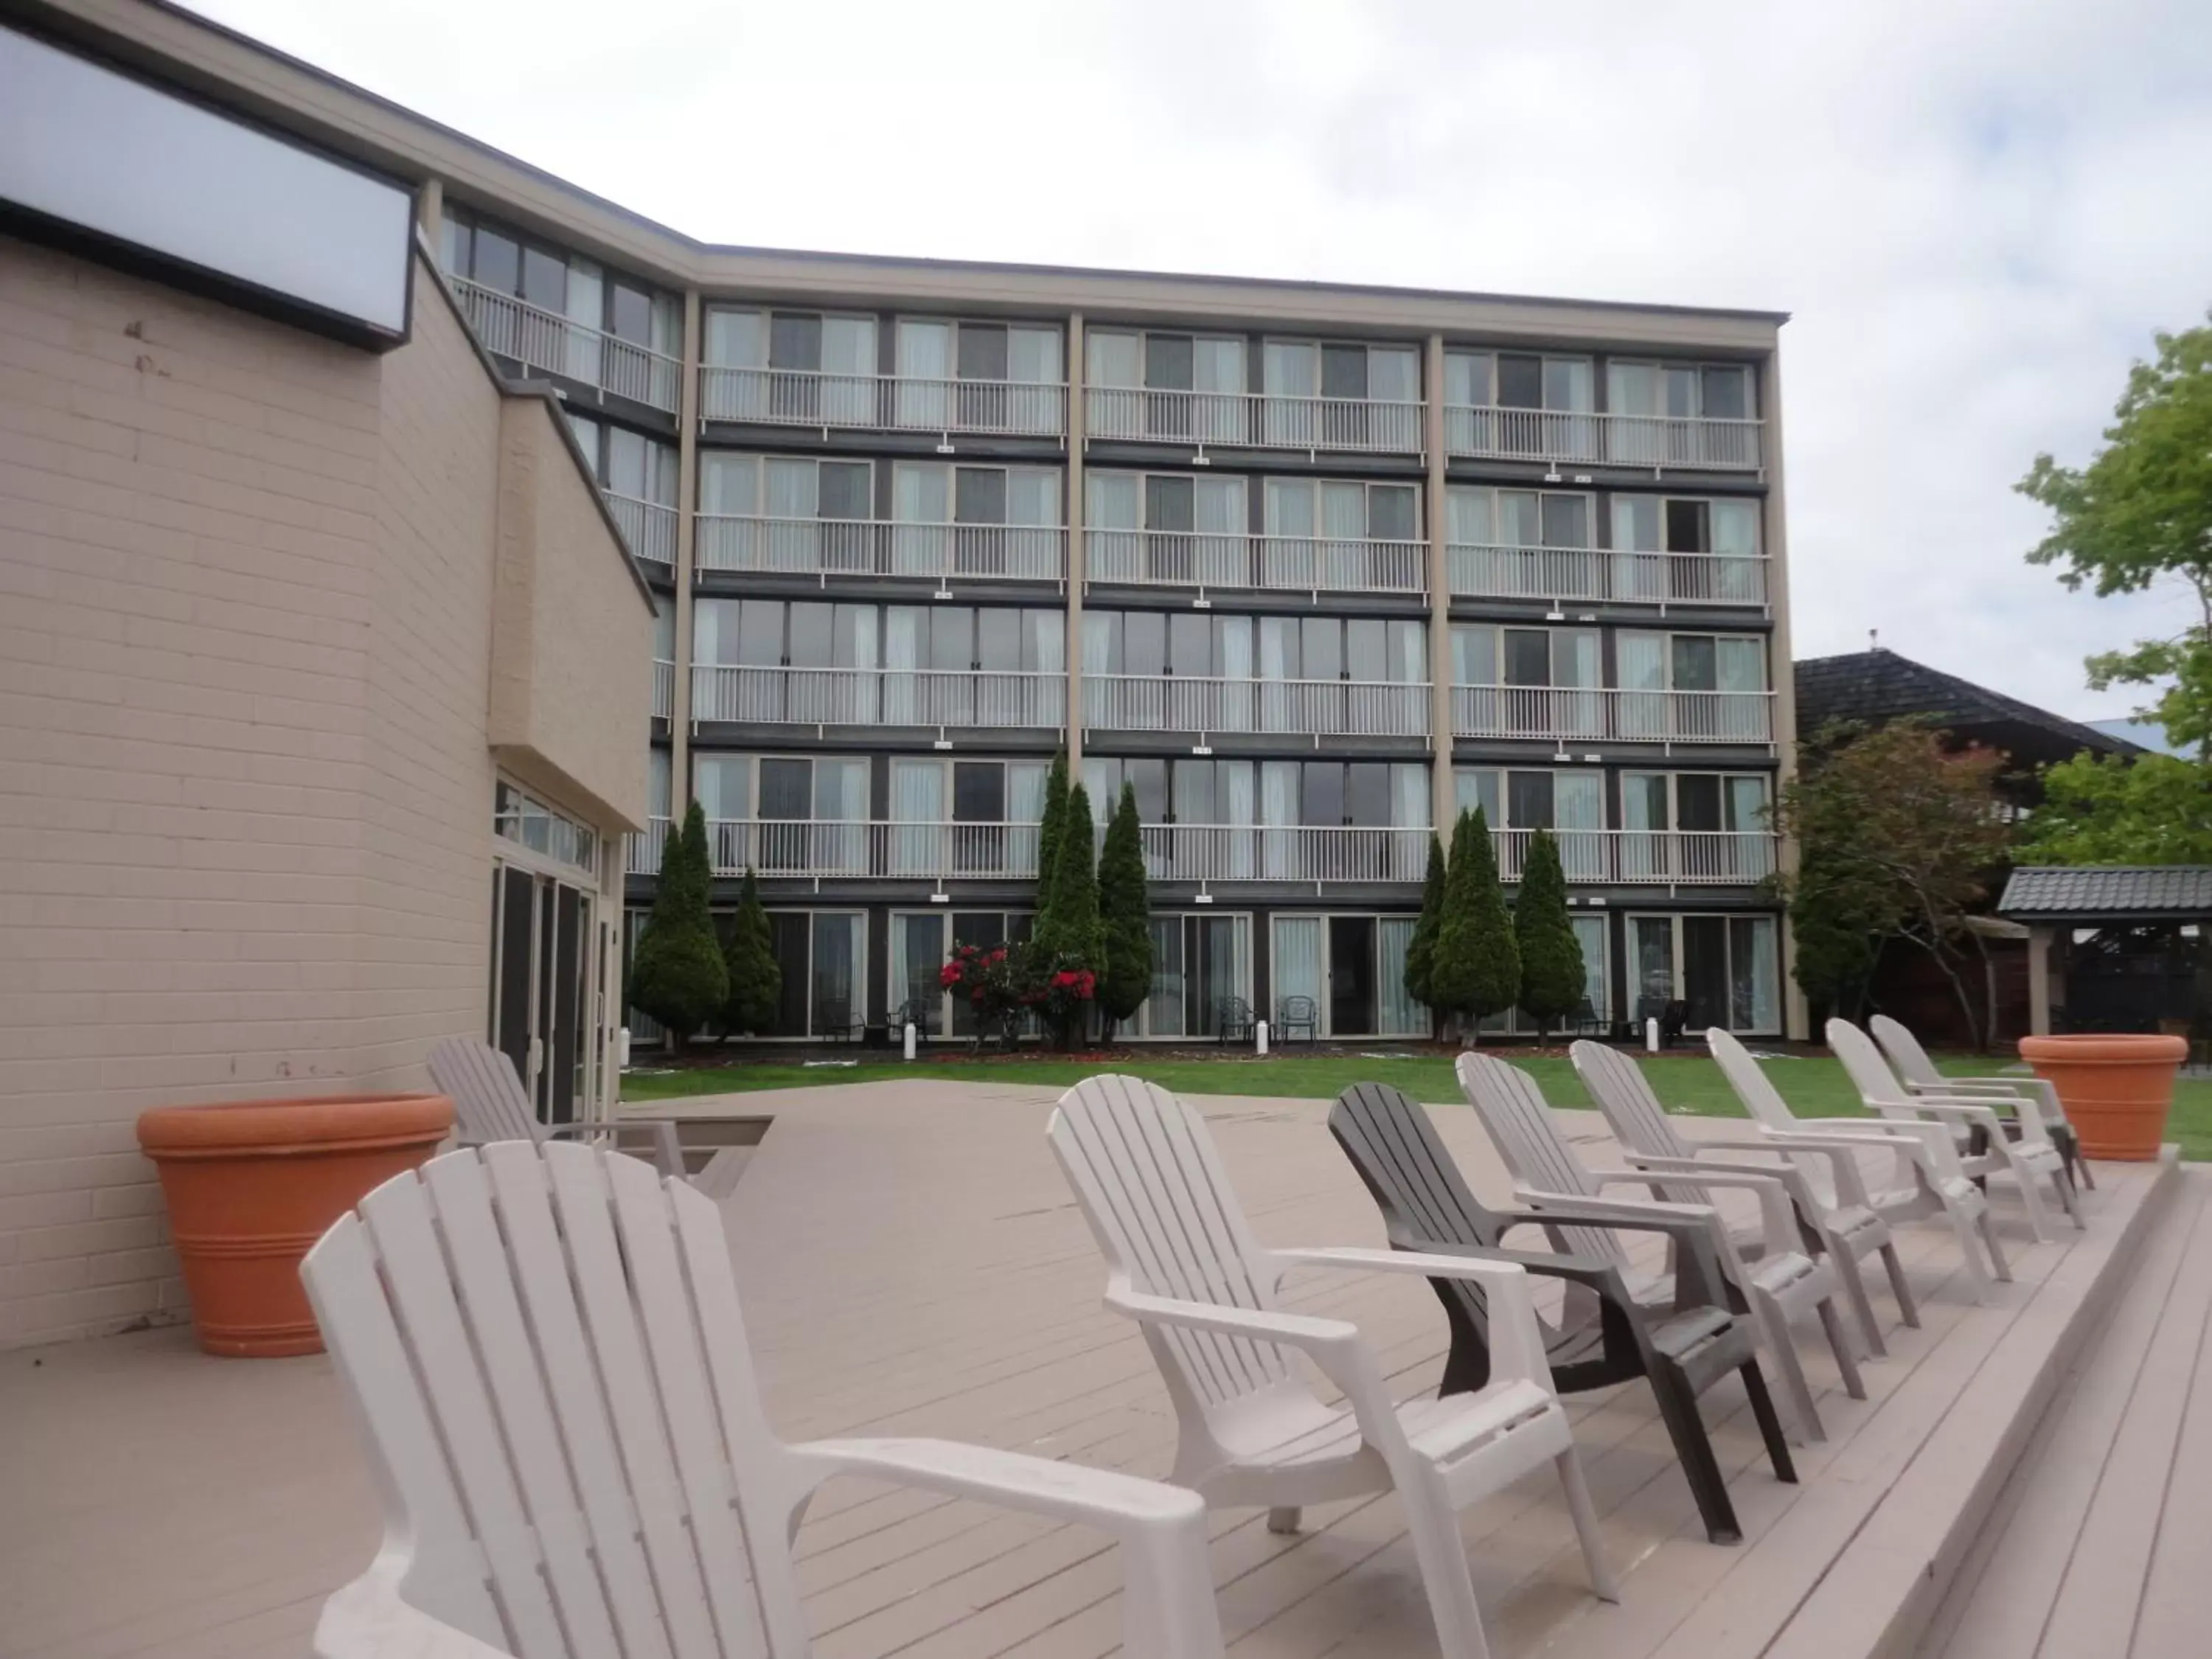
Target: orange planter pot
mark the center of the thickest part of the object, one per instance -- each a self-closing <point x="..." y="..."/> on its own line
<point x="251" y="1184"/>
<point x="2117" y="1088"/>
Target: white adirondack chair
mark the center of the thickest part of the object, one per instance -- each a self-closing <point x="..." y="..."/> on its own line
<point x="544" y="1346"/>
<point x="1183" y="1263"/>
<point x="1923" y="1178"/>
<point x="1781" y="1287"/>
<point x="490" y="1104"/>
<point x="1841" y="1234"/>
<point x="1916" y="1070"/>
<point x="2029" y="1161"/>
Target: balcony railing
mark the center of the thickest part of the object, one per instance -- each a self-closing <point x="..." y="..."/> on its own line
<point x="884" y="403"/>
<point x="1643" y="857"/>
<point x="1210" y="853"/>
<point x="984" y="698"/>
<point x="1252" y="420"/>
<point x="1595" y="575"/>
<point x="1653" y="440"/>
<point x="648" y="528"/>
<point x="858" y="850"/>
<point x="1177" y="558"/>
<point x="860" y="547"/>
<point x="530" y="334"/>
<point x="1574" y="712"/>
<point x="645" y="850"/>
<point x="1144" y="703"/>
<point x="664" y="688"/>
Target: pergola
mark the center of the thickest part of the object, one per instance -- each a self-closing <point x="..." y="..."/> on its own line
<point x="2128" y="944"/>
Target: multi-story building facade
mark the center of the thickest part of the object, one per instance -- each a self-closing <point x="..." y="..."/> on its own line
<point x="1311" y="567"/>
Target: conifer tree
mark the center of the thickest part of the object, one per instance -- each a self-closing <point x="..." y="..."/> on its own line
<point x="1048" y="830"/>
<point x="1551" y="956"/>
<point x="1421" y="951"/>
<point x="1476" y="970"/>
<point x="755" y="977"/>
<point x="1125" y="909"/>
<point x="678" y="976"/>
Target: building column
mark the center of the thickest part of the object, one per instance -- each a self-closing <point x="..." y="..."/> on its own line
<point x="1077" y="562"/>
<point x="687" y="496"/>
<point x="1797" y="1014"/>
<point x="1444" y="797"/>
<point x="2038" y="981"/>
<point x="430" y="212"/>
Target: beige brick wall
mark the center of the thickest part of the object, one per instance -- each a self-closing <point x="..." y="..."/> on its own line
<point x="245" y="788"/>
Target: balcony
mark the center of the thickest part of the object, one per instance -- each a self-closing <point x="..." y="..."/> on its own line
<point x="1252" y="420"/>
<point x="884" y="403"/>
<point x="1595" y="576"/>
<point x="1647" y="857"/>
<point x="508" y="327"/>
<point x="854" y="850"/>
<point x="1574" y="714"/>
<point x="1205" y="708"/>
<point x="1174" y="558"/>
<point x="645" y="850"/>
<point x="985" y="699"/>
<point x="664" y="688"/>
<point x="648" y="528"/>
<point x="1641" y="440"/>
<point x="1209" y="852"/>
<point x="939" y="553"/>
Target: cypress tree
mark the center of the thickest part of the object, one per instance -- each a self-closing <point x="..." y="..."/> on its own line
<point x="1048" y="830"/>
<point x="755" y="976"/>
<point x="678" y="976"/>
<point x="1550" y="955"/>
<point x="1421" y="951"/>
<point x="1476" y="970"/>
<point x="1125" y="908"/>
<point x="1067" y="924"/>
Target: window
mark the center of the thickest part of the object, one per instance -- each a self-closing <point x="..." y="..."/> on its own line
<point x="823" y="955"/>
<point x="1267" y="674"/>
<point x="1166" y="386"/>
<point x="976" y="520"/>
<point x="1658" y="414"/>
<point x="1361" y="962"/>
<point x="1167" y="528"/>
<point x="1569" y="803"/>
<point x="801" y="367"/>
<point x="1328" y="395"/>
<point x="1695" y="826"/>
<point x="1526" y="681"/>
<point x="1507" y="403"/>
<point x="576" y="290"/>
<point x="1200" y="962"/>
<point x="1339" y="535"/>
<point x="1692" y="686"/>
<point x="1726" y="970"/>
<point x="1520" y="543"/>
<point x="988" y="377"/>
<point x="920" y="945"/>
<point x="1727" y="530"/>
<point x="803" y="816"/>
<point x="520" y="817"/>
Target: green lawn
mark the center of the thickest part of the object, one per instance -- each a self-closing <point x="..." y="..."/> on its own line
<point x="1814" y="1086"/>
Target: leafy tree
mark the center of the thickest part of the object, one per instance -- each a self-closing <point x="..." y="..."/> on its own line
<point x="1125" y="907"/>
<point x="1476" y="970"/>
<point x="1899" y="837"/>
<point x="1421" y="950"/>
<point x="678" y="976"/>
<point x="1551" y="956"/>
<point x="2102" y="809"/>
<point x="2140" y="513"/>
<point x="1048" y="827"/>
<point x="1841" y="909"/>
<point x="749" y="957"/>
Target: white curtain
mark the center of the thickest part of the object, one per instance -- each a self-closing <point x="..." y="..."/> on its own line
<point x="1344" y="526"/>
<point x="1633" y="395"/>
<point x="1218" y="517"/>
<point x="1218" y="377"/>
<point x="1024" y="811"/>
<point x="1409" y="817"/>
<point x="921" y="494"/>
<point x="1114" y="512"/>
<point x="1476" y="786"/>
<point x="1747" y="814"/>
<point x="587" y="308"/>
<point x="1033" y="355"/>
<point x="1114" y="365"/>
<point x="1397" y="1012"/>
<point x="917" y="807"/>
<point x="1752" y="970"/>
<point x="1740" y="666"/>
<point x="714" y="631"/>
<point x="1279" y="814"/>
<point x="1394" y="383"/>
<point x="841" y="815"/>
<point x="1590" y="934"/>
<point x="1467" y="378"/>
<point x="738" y="340"/>
<point x="723" y="784"/>
<point x="1575" y="662"/>
<point x="1291" y="523"/>
<point x="905" y="626"/>
<point x="1637" y="529"/>
<point x="793" y="542"/>
<point x="1643" y="813"/>
<point x="660" y="784"/>
<point x="848" y="368"/>
<point x="1578" y="819"/>
<point x="1291" y="372"/>
<point x="1237" y="803"/>
<point x="925" y="371"/>
<point x="1409" y="654"/>
<point x="1735" y="537"/>
<point x="1641" y="664"/>
<point x="1468" y="516"/>
<point x="1297" y="967"/>
<point x="1233" y="638"/>
<point x="729" y="485"/>
<point x="1033" y="518"/>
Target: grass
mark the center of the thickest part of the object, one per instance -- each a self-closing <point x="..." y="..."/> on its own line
<point x="1815" y="1084"/>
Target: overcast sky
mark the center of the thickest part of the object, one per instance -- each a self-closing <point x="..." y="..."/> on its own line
<point x="1977" y="213"/>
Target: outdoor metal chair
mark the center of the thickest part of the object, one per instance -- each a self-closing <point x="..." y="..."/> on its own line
<point x="544" y="1346"/>
<point x="1919" y="1075"/>
<point x="1295" y="1014"/>
<point x="1605" y="1335"/>
<point x="1236" y="1024"/>
<point x="1183" y="1264"/>
<point x="1779" y="1288"/>
<point x="917" y="1012"/>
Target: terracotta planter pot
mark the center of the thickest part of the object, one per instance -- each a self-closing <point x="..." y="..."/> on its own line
<point x="2117" y="1088"/>
<point x="251" y="1184"/>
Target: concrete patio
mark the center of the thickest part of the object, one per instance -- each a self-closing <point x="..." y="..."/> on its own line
<point x="912" y="1262"/>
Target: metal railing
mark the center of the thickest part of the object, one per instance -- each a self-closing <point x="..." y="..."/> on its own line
<point x="857" y="849"/>
<point x="1596" y="575"/>
<point x="664" y="688"/>
<point x="883" y="403"/>
<point x="1653" y="440"/>
<point x="510" y="327"/>
<point x="867" y="547"/>
<point x="1182" y="558"/>
<point x="1572" y="713"/>
<point x="975" y="698"/>
<point x="648" y="528"/>
<point x="1253" y="420"/>
<point x="1639" y="857"/>
<point x="1145" y="702"/>
<point x="1210" y="853"/>
<point x="645" y="850"/>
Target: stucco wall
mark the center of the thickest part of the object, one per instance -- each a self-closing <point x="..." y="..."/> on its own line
<point x="246" y="793"/>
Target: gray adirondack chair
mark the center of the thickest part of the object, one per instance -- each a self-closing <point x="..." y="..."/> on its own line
<point x="1781" y="1287"/>
<point x="1843" y="1234"/>
<point x="1919" y="1074"/>
<point x="543" y="1346"/>
<point x="1923" y="1179"/>
<point x="490" y="1104"/>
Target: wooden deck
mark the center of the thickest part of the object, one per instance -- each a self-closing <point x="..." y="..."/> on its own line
<point x="912" y="1262"/>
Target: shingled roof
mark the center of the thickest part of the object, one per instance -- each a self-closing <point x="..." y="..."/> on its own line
<point x="2148" y="891"/>
<point x="1878" y="686"/>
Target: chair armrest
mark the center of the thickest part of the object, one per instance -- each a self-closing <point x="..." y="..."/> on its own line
<point x="1517" y="1343"/>
<point x="366" y="1620"/>
<point x="667" y="1150"/>
<point x="1105" y="1499"/>
<point x="1840" y="1151"/>
<point x="552" y="1130"/>
<point x="1696" y="1231"/>
<point x="1983" y="1113"/>
<point x="1776" y="1190"/>
<point x="1335" y="1346"/>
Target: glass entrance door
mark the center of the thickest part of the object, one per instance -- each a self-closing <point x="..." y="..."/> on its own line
<point x="544" y="946"/>
<point x="1351" y="974"/>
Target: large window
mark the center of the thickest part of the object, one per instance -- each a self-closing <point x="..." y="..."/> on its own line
<point x="1200" y="962"/>
<point x="1167" y="528"/>
<point x="1341" y="535"/>
<point x="1347" y="970"/>
<point x="1332" y="395"/>
<point x="1520" y="543"/>
<point x="963" y="817"/>
<point x="1239" y="820"/>
<point x="976" y="376"/>
<point x="1657" y="411"/>
<point x="803" y="815"/>
<point x="1508" y="403"/>
<point x="1171" y="387"/>
<point x="1514" y="801"/>
<point x="921" y="942"/>
<point x="785" y="512"/>
<point x="1195" y="672"/>
<point x="1724" y="531"/>
<point x="638" y="475"/>
<point x="803" y="367"/>
<point x="976" y="520"/>
<point x="823" y="955"/>
<point x="605" y="306"/>
<point x="1696" y="826"/>
<point x="1726" y="969"/>
<point x="1527" y="682"/>
<point x="1692" y="686"/>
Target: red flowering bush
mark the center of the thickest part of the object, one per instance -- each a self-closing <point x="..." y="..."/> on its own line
<point x="991" y="979"/>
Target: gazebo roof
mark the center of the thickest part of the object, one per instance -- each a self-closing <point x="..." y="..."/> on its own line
<point x="2140" y="892"/>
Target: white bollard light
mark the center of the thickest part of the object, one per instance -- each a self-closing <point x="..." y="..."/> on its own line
<point x="1651" y="1036"/>
<point x="909" y="1039"/>
<point x="622" y="1048"/>
<point x="1260" y="1037"/>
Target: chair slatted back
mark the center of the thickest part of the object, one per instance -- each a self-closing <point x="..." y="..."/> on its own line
<point x="1767" y="1108"/>
<point x="1633" y="1112"/>
<point x="1413" y="1179"/>
<point x="1513" y="1111"/>
<point x="1869" y="1072"/>
<point x="489" y="1102"/>
<point x="1911" y="1060"/>
<point x="546" y="1349"/>
<point x="1145" y="1170"/>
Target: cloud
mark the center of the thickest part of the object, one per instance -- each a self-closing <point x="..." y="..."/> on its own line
<point x="1977" y="212"/>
